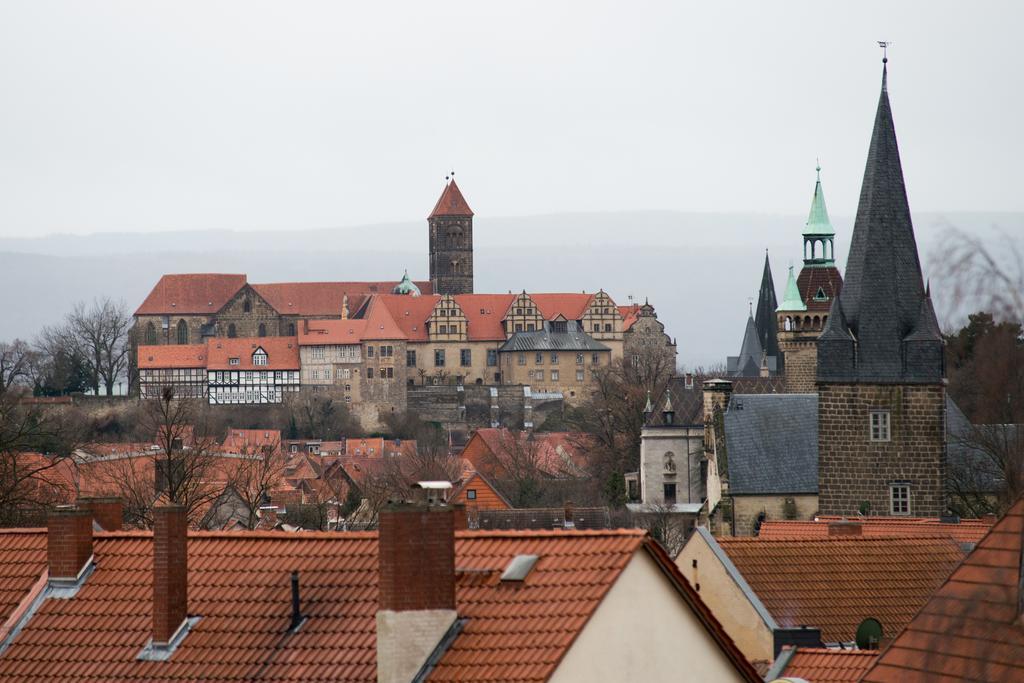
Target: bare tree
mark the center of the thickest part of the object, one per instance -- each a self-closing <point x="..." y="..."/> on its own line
<point x="100" y="333"/>
<point x="16" y="362"/>
<point x="258" y="471"/>
<point x="983" y="273"/>
<point x="987" y="468"/>
<point x="319" y="416"/>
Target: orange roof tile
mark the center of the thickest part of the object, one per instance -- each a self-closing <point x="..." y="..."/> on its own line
<point x="172" y="356"/>
<point x="451" y="202"/>
<point x="630" y="314"/>
<point x="24" y="559"/>
<point x="820" y="665"/>
<point x="238" y="440"/>
<point x="970" y="629"/>
<point x="569" y="306"/>
<point x="323" y="298"/>
<point x="191" y="293"/>
<point x="282" y="353"/>
<point x="380" y="324"/>
<point x="835" y="583"/>
<point x="320" y="332"/>
<point x="966" y="531"/>
<point x="239" y="584"/>
<point x="409" y="313"/>
<point x="557" y="454"/>
<point x="485" y="313"/>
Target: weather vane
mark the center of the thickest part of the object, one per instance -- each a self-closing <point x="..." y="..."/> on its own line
<point x="885" y="44"/>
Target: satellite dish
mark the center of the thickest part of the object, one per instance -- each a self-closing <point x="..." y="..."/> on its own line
<point x="869" y="634"/>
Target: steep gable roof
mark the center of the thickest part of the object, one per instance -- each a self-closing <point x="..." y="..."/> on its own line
<point x="764" y="317"/>
<point x="172" y="356"/>
<point x="282" y="353"/>
<point x="970" y="629"/>
<point x="835" y="583"/>
<point x="571" y="306"/>
<point x="380" y="324"/>
<point x="451" y="202"/>
<point x="191" y="293"/>
<point x="772" y="442"/>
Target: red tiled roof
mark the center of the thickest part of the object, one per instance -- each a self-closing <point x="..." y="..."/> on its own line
<point x="323" y="298"/>
<point x="282" y="353"/>
<point x="970" y="629"/>
<point x="630" y="314"/>
<point x="966" y="531"/>
<point x="484" y="314"/>
<point x="172" y="356"/>
<point x="819" y="665"/>
<point x="24" y="559"/>
<point x="204" y="293"/>
<point x="451" y="202"/>
<point x="557" y="454"/>
<point x="835" y="583"/>
<point x="810" y="279"/>
<point x="409" y="313"/>
<point x="380" y="325"/>
<point x="317" y="332"/>
<point x="569" y="306"/>
<point x="238" y="440"/>
<point x="239" y="586"/>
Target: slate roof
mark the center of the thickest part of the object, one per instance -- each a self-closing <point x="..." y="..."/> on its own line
<point x="881" y="300"/>
<point x="239" y="584"/>
<point x="687" y="403"/>
<point x="546" y="340"/>
<point x="820" y="665"/>
<point x="970" y="629"/>
<point x="835" y="583"/>
<point x="964" y="531"/>
<point x="772" y="442"/>
<point x="764" y="317"/>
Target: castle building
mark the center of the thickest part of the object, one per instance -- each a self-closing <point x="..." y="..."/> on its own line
<point x="880" y="374"/>
<point x="807" y="299"/>
<point x="451" y="243"/>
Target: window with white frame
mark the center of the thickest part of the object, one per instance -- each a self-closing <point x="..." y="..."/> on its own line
<point x="232" y="361"/>
<point x="899" y="498"/>
<point x="879" y="425"/>
<point x="318" y="353"/>
<point x="259" y="357"/>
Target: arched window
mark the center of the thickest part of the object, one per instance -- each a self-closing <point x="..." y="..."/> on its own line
<point x="291" y="329"/>
<point x="263" y="330"/>
<point x="182" y="332"/>
<point x="817" y="323"/>
<point x="807" y="321"/>
<point x="150" y="333"/>
<point x="247" y="306"/>
<point x="455" y="267"/>
<point x="231" y="331"/>
<point x="789" y="323"/>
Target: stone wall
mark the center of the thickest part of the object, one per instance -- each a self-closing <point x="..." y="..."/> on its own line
<point x="854" y="470"/>
<point x="747" y="508"/>
<point x="801" y="366"/>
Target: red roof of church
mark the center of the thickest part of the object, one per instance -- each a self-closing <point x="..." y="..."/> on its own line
<point x="811" y="279"/>
<point x="331" y="332"/>
<point x="323" y="298"/>
<point x="970" y="629"/>
<point x="282" y="353"/>
<point x="451" y="203"/>
<point x="191" y="293"/>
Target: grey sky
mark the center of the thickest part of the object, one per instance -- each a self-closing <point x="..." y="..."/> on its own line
<point x="185" y="115"/>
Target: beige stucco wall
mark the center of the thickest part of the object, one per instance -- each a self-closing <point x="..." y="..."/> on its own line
<point x="478" y="368"/>
<point x="727" y="601"/>
<point x="573" y="389"/>
<point x="747" y="508"/>
<point x="644" y="631"/>
<point x="406" y="639"/>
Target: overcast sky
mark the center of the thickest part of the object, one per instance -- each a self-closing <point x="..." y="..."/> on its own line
<point x="147" y="116"/>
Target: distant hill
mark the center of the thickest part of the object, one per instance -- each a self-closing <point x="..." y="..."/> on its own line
<point x="699" y="270"/>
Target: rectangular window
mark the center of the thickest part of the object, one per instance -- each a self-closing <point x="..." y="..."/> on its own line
<point x="554" y="375"/>
<point x="879" y="425"/>
<point x="259" y="359"/>
<point x="579" y="375"/>
<point x="559" y="326"/>
<point x="530" y="327"/>
<point x="554" y="358"/>
<point x="607" y="327"/>
<point x="539" y="358"/>
<point x="318" y="353"/>
<point x="410" y="359"/>
<point x="387" y="351"/>
<point x="899" y="498"/>
<point x="597" y="327"/>
<point x="519" y="327"/>
<point x="595" y="358"/>
<point x="442" y="329"/>
<point x="522" y="359"/>
<point x="670" y="494"/>
<point x="539" y="375"/>
<point x="471" y="494"/>
<point x="369" y="352"/>
<point x="579" y="359"/>
<point x="438" y="358"/>
<point x="232" y="361"/>
<point x="465" y="357"/>
<point x="492" y="358"/>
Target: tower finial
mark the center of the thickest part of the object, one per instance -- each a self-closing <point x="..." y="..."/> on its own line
<point x="885" y="44"/>
<point x="817" y="167"/>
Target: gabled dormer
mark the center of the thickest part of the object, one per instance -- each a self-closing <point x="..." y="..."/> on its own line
<point x="522" y="316"/>
<point x="447" y="321"/>
<point x="259" y="357"/>
<point x="602" y="319"/>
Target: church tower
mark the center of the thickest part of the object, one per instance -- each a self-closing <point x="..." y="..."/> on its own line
<point x="880" y="374"/>
<point x="807" y="299"/>
<point x="451" y="243"/>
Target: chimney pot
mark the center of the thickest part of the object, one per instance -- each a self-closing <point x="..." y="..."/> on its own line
<point x="107" y="512"/>
<point x="170" y="571"/>
<point x="68" y="541"/>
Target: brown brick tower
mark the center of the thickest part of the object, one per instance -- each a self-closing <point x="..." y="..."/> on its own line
<point x="451" y="243"/>
<point x="880" y="374"/>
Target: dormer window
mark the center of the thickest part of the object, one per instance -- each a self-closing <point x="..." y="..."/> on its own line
<point x="259" y="357"/>
<point x="232" y="361"/>
<point x="820" y="295"/>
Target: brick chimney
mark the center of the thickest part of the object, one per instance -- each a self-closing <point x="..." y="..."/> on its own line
<point x="416" y="586"/>
<point x="845" y="528"/>
<point x="107" y="512"/>
<point x="68" y="542"/>
<point x="170" y="572"/>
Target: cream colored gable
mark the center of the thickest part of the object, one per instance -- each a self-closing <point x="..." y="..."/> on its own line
<point x="643" y="630"/>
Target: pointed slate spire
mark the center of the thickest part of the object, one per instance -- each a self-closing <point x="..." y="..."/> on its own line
<point x="882" y="295"/>
<point x="764" y="320"/>
<point x="791" y="299"/>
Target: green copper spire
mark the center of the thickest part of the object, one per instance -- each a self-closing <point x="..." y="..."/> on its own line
<point x="817" y="221"/>
<point x="819" y="237"/>
<point x="406" y="286"/>
<point x="791" y="300"/>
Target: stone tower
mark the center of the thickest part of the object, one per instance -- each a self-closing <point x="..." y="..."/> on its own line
<point x="807" y="299"/>
<point x="880" y="375"/>
<point x="451" y="243"/>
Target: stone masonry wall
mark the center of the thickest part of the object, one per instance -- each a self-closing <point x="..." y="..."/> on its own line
<point x="801" y="365"/>
<point x="853" y="469"/>
<point x="747" y="508"/>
